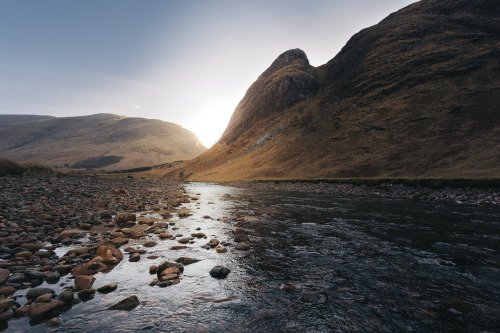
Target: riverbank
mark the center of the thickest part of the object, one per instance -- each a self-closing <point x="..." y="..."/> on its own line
<point x="94" y="216"/>
<point x="459" y="195"/>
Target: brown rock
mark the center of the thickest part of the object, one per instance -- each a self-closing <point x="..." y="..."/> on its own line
<point x="152" y="270"/>
<point x="45" y="298"/>
<point x="220" y="249"/>
<point x="124" y="218"/>
<point x="150" y="244"/>
<point x="170" y="270"/>
<point x="86" y="294"/>
<point x="89" y="268"/>
<point x="7" y="291"/>
<point x="22" y="311"/>
<point x="119" y="241"/>
<point x="164" y="235"/>
<point x="42" y="310"/>
<point x="242" y="246"/>
<point x="4" y="275"/>
<point x="117" y="234"/>
<point x="178" y="247"/>
<point x="83" y="282"/>
<point x="198" y="235"/>
<point x="135" y="257"/>
<point x="62" y="269"/>
<point x="140" y="251"/>
<point x="167" y="277"/>
<point x="109" y="254"/>
<point x="183" y="240"/>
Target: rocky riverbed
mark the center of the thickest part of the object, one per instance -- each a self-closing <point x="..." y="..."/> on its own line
<point x="96" y="217"/>
<point x="398" y="191"/>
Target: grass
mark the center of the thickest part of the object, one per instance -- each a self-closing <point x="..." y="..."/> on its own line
<point x="435" y="183"/>
<point x="12" y="168"/>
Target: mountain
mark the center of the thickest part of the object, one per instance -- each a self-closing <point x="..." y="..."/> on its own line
<point x="417" y="95"/>
<point x="101" y="142"/>
<point x="20" y="118"/>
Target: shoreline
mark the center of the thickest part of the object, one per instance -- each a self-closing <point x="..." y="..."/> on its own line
<point x="467" y="195"/>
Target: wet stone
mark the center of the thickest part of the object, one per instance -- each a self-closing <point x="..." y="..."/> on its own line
<point x="219" y="272"/>
<point x="107" y="288"/>
<point x="126" y="304"/>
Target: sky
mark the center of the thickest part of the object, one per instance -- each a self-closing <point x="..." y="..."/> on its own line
<point x="188" y="62"/>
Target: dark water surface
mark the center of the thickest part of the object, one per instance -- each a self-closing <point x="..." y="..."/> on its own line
<point x="326" y="264"/>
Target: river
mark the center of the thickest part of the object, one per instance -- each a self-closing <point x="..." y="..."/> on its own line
<point x="317" y="263"/>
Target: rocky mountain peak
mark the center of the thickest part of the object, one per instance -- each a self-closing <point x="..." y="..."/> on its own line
<point x="295" y="57"/>
<point x="289" y="80"/>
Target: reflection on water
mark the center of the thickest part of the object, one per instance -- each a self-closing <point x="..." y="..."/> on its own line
<point x="321" y="263"/>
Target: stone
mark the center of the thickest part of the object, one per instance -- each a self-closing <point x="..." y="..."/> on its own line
<point x="45" y="298"/>
<point x="124" y="218"/>
<point x="83" y="282"/>
<point x="35" y="292"/>
<point x="198" y="235"/>
<point x="53" y="278"/>
<point x="220" y="249"/>
<point x="86" y="294"/>
<point x="213" y="242"/>
<point x="153" y="269"/>
<point x="219" y="272"/>
<point x="150" y="244"/>
<point x="107" y="288"/>
<point x="187" y="260"/>
<point x="89" y="268"/>
<point x="62" y="269"/>
<point x="41" y="311"/>
<point x="135" y="257"/>
<point x="54" y="322"/>
<point x="183" y="240"/>
<point x="4" y="275"/>
<point x="153" y="282"/>
<point x="242" y="246"/>
<point x="67" y="296"/>
<point x="8" y="303"/>
<point x="16" y="278"/>
<point x="22" y="311"/>
<point x="119" y="241"/>
<point x="164" y="235"/>
<point x="110" y="254"/>
<point x="126" y="304"/>
<point x="37" y="275"/>
<point x="165" y="264"/>
<point x="178" y="247"/>
<point x="7" y="291"/>
<point x="170" y="270"/>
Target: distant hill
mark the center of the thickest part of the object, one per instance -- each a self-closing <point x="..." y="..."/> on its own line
<point x="96" y="143"/>
<point x="417" y="95"/>
<point x="20" y="118"/>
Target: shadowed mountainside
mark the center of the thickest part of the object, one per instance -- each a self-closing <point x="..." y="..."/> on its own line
<point x="416" y="95"/>
<point x="101" y="142"/>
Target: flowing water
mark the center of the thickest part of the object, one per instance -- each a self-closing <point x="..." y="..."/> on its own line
<point x="318" y="263"/>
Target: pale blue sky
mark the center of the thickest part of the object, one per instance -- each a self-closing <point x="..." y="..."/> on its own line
<point x="187" y="62"/>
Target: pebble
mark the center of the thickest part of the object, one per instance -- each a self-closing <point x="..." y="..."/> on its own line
<point x="107" y="288"/>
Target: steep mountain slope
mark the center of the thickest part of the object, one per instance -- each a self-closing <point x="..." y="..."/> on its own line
<point x="101" y="142"/>
<point x="416" y="95"/>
